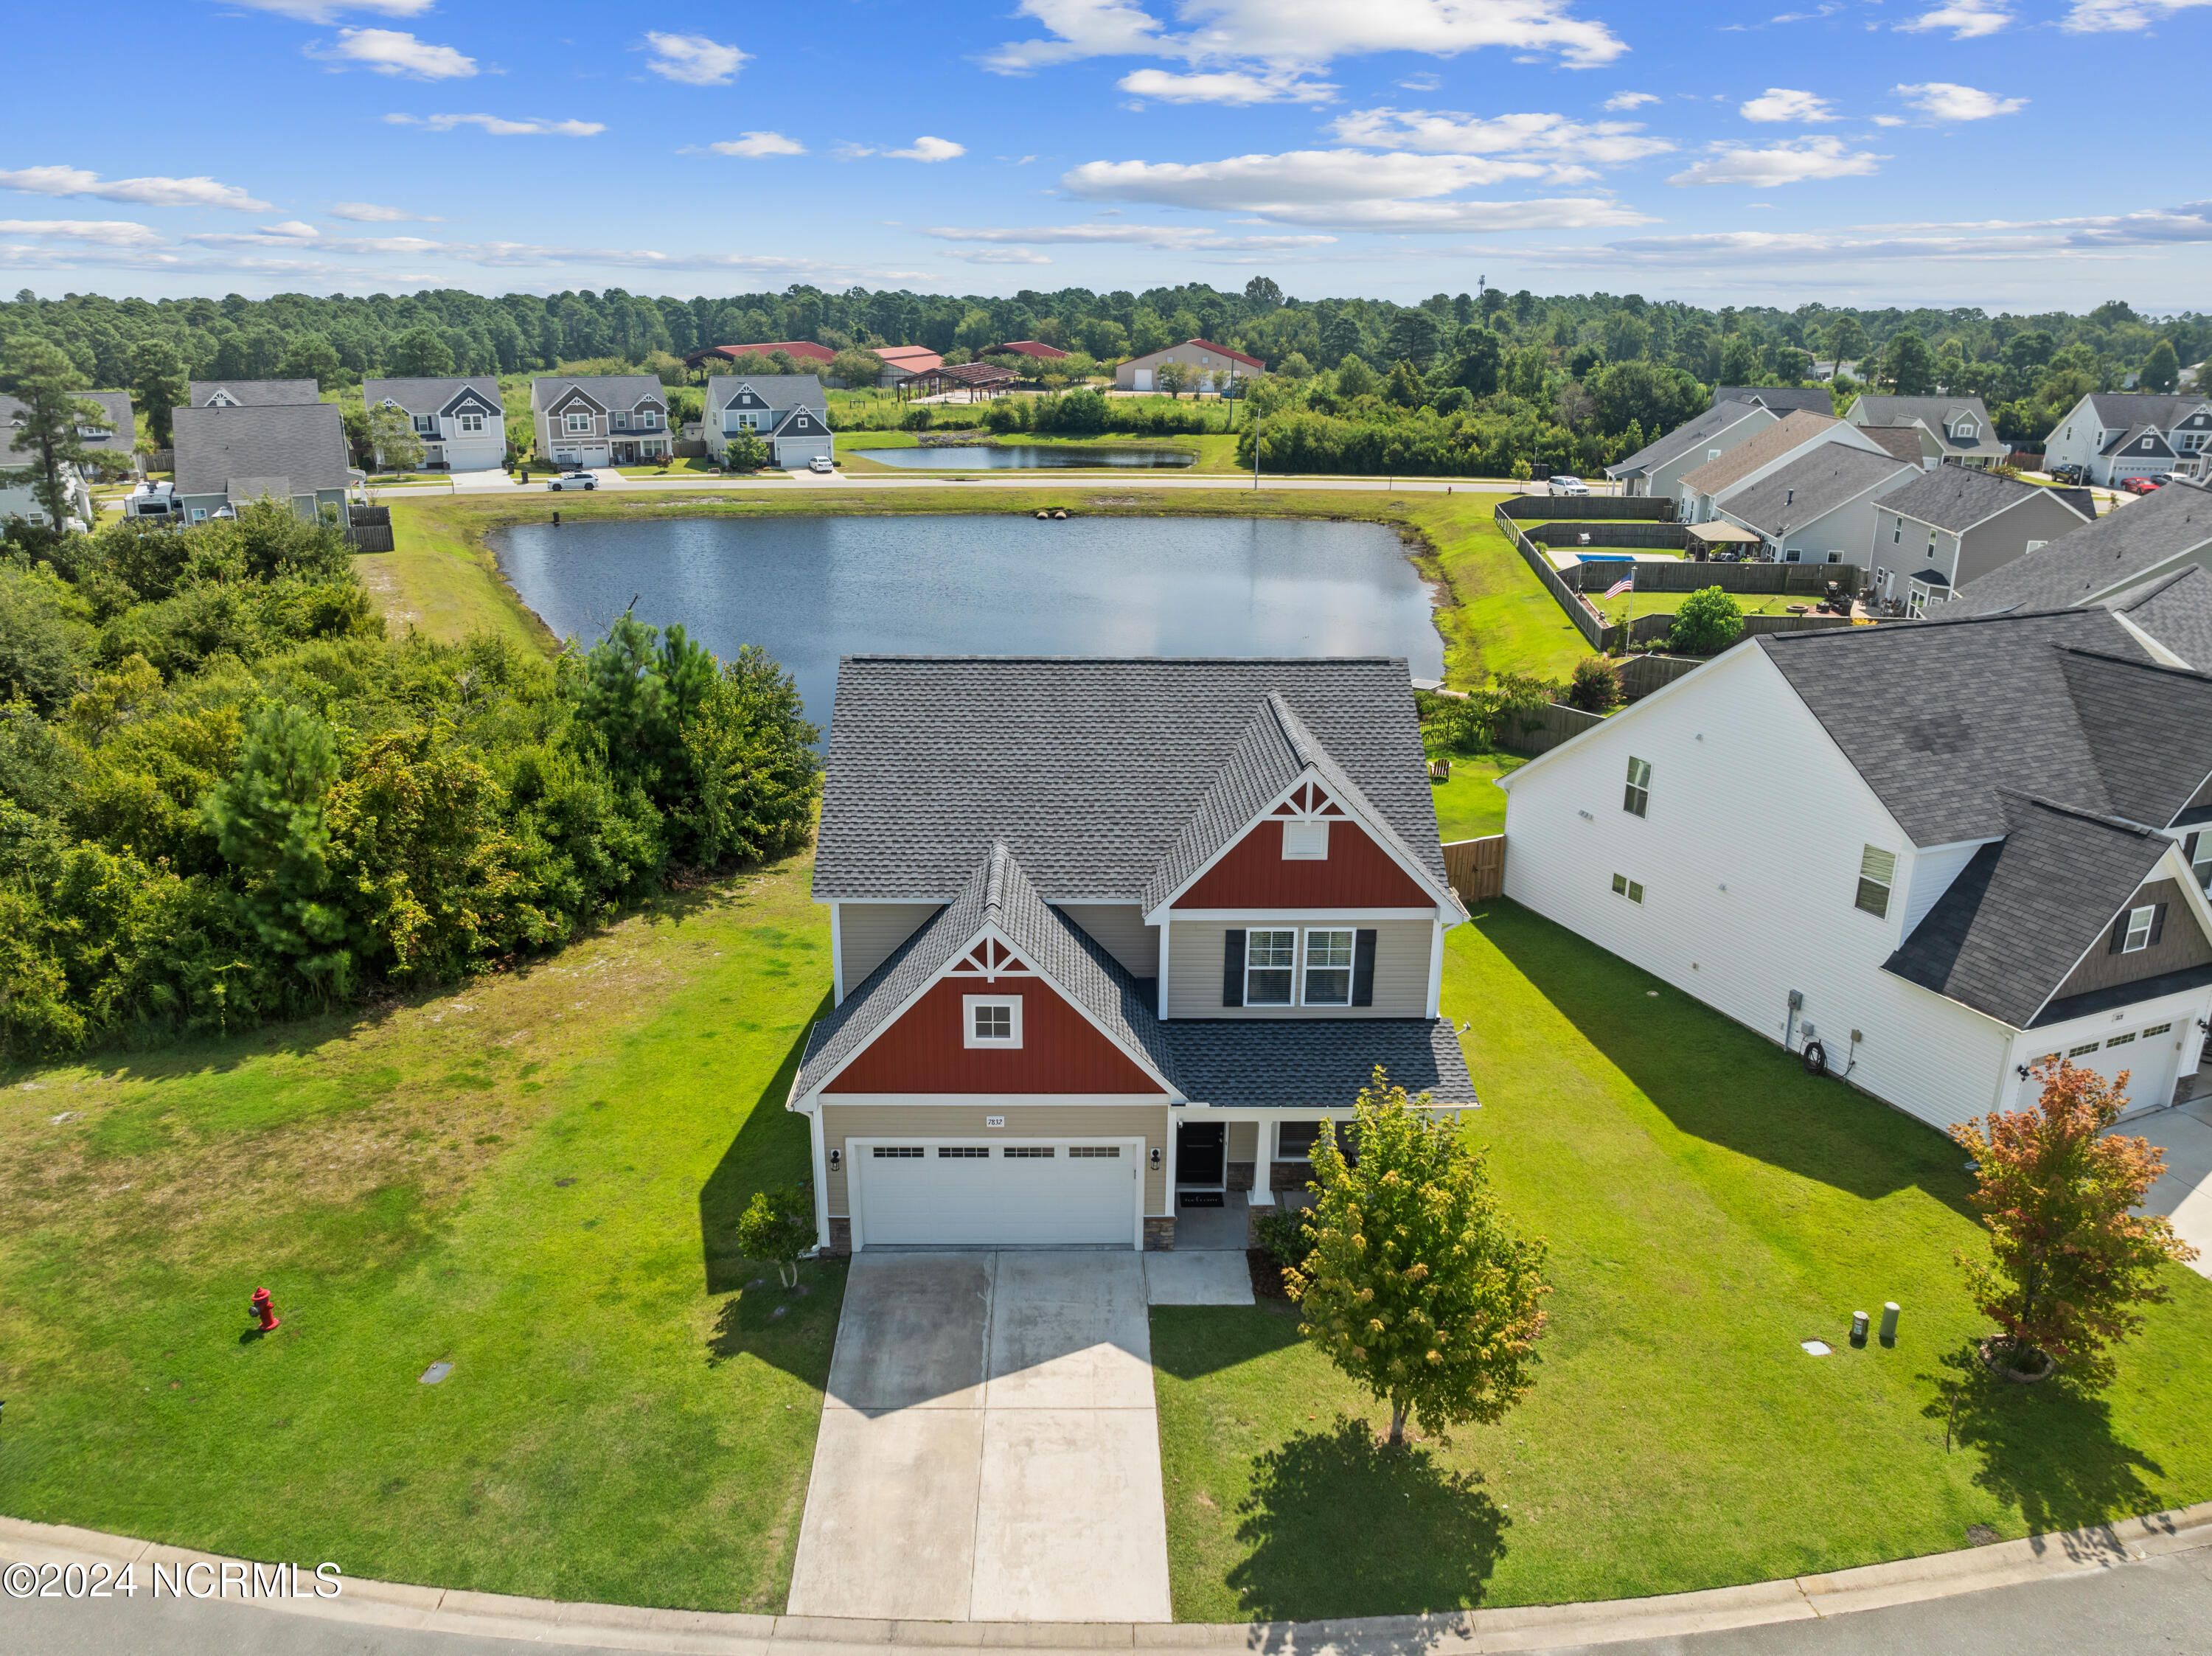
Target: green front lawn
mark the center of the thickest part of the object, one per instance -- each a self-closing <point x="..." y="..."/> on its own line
<point x="1709" y="1206"/>
<point x="533" y="1180"/>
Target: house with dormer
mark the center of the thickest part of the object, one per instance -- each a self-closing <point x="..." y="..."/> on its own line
<point x="1111" y="939"/>
<point x="251" y="393"/>
<point x="1701" y="492"/>
<point x="462" y="422"/>
<point x="787" y="411"/>
<point x="1960" y="427"/>
<point x="2113" y="436"/>
<point x="588" y="420"/>
<point x="1656" y="469"/>
<point x="1927" y="858"/>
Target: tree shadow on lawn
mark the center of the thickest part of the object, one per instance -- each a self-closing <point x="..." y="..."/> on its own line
<point x="2046" y="1449"/>
<point x="1716" y="1080"/>
<point x="1339" y="1525"/>
<point x="771" y="1149"/>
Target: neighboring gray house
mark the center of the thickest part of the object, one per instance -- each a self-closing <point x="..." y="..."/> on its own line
<point x="1963" y="431"/>
<point x="786" y="412"/>
<point x="600" y="420"/>
<point x="461" y="423"/>
<point x="251" y="393"/>
<point x="2116" y="437"/>
<point x="1819" y="507"/>
<point x="1954" y="524"/>
<point x="1705" y="489"/>
<point x="2114" y="560"/>
<point x="118" y="434"/>
<point x="229" y="456"/>
<point x="19" y="500"/>
<point x="1783" y="399"/>
<point x="1656" y="469"/>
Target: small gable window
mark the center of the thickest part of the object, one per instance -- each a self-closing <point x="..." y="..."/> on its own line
<point x="1877" y="874"/>
<point x="577" y="421"/>
<point x="2138" y="929"/>
<point x="1637" y="801"/>
<point x="1967" y="432"/>
<point x="2197" y="847"/>
<point x="472" y="423"/>
<point x="1305" y="841"/>
<point x="992" y="1020"/>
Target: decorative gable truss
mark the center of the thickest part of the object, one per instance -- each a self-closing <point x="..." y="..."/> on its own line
<point x="801" y="422"/>
<point x="472" y="401"/>
<point x="990" y="959"/>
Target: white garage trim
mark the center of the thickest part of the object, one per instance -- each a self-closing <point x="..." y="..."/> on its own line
<point x="968" y="1207"/>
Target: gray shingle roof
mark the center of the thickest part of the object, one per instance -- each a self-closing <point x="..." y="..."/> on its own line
<point x="1937" y="411"/>
<point x="1759" y="449"/>
<point x="2123" y="411"/>
<point x="2176" y="610"/>
<point x="777" y="391"/>
<point x="2111" y="554"/>
<point x="1815" y="485"/>
<point x="1782" y="399"/>
<point x="121" y="424"/>
<point x="609" y="391"/>
<point x="2011" y="926"/>
<point x="1942" y="717"/>
<point x="430" y="396"/>
<point x="1090" y="768"/>
<point x="1906" y="442"/>
<point x="1959" y="497"/>
<point x="255" y="393"/>
<point x="304" y="443"/>
<point x="1244" y="1063"/>
<point x="1685" y="437"/>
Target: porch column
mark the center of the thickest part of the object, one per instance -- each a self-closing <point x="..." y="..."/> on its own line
<point x="1263" y="1167"/>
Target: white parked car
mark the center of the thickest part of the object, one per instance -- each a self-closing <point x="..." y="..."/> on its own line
<point x="821" y="463"/>
<point x="1563" y="484"/>
<point x="572" y="480"/>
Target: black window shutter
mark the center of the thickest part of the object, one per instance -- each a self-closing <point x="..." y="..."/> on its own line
<point x="1233" y="968"/>
<point x="1362" y="966"/>
<point x="2189" y="849"/>
<point x="2119" y="933"/>
<point x="2158" y="923"/>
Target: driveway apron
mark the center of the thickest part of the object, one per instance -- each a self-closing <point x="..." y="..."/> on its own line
<point x="990" y="1449"/>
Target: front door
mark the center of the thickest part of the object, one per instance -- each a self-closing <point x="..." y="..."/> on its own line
<point x="1200" y="1161"/>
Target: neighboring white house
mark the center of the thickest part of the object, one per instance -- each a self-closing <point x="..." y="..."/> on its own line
<point x="1961" y="426"/>
<point x="1206" y="366"/>
<point x="20" y="500"/>
<point x="1954" y="524"/>
<point x="1819" y="507"/>
<point x="250" y="393"/>
<point x="2116" y="436"/>
<point x="1943" y="851"/>
<point x="230" y="455"/>
<point x="461" y="423"/>
<point x="1656" y="469"/>
<point x="786" y="412"/>
<point x="600" y="420"/>
<point x="1704" y="488"/>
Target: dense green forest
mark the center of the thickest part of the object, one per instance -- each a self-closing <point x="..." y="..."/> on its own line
<point x="226" y="795"/>
<point x="1489" y="380"/>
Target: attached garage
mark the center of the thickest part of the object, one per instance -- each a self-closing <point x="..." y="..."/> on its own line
<point x="989" y="1191"/>
<point x="2150" y="1055"/>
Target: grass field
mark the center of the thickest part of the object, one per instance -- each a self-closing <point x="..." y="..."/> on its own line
<point x="533" y="1180"/>
<point x="1708" y="1206"/>
<point x="1472" y="804"/>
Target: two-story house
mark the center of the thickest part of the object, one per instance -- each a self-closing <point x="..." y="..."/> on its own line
<point x="2113" y="436"/>
<point x="250" y="393"/>
<point x="1963" y="432"/>
<point x="461" y="423"/>
<point x="1656" y="469"/>
<point x="1928" y="857"/>
<point x="600" y="420"/>
<point x="19" y="496"/>
<point x="786" y="412"/>
<point x="1819" y="507"/>
<point x="1705" y="488"/>
<point x="1954" y="524"/>
<point x="228" y="456"/>
<point x="1112" y="937"/>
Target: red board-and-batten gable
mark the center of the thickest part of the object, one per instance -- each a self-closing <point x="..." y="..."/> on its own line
<point x="1357" y="873"/>
<point x="923" y="1049"/>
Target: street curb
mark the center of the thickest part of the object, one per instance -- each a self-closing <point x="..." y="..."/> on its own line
<point x="1465" y="1633"/>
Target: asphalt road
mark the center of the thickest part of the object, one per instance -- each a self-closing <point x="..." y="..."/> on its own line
<point x="2161" y="1605"/>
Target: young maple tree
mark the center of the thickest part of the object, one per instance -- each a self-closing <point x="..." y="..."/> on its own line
<point x="1415" y="1285"/>
<point x="2070" y="1259"/>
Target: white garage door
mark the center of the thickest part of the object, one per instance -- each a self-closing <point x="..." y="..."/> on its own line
<point x="2148" y="1055"/>
<point x="1141" y="379"/>
<point x="937" y="1193"/>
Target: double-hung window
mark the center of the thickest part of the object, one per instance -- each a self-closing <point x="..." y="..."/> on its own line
<point x="621" y="422"/>
<point x="471" y="424"/>
<point x="1270" y="962"/>
<point x="1877" y="874"/>
<point x="1637" y="801"/>
<point x="1329" y="968"/>
<point x="2139" y="929"/>
<point x="2197" y="847"/>
<point x="577" y="422"/>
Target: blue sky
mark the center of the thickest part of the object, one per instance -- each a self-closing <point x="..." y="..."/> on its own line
<point x="2016" y="155"/>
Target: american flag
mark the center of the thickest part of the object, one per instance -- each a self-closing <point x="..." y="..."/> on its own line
<point x="1620" y="587"/>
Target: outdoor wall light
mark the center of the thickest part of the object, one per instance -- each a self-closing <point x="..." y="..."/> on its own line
<point x="1156" y="1158"/>
<point x="836" y="1161"/>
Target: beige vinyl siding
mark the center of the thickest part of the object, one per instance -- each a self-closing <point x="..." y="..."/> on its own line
<point x="965" y="1120"/>
<point x="1120" y="928"/>
<point x="1402" y="972"/>
<point x="867" y="932"/>
<point x="1242" y="1139"/>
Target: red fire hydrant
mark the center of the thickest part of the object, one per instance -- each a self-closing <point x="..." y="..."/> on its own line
<point x="265" y="1309"/>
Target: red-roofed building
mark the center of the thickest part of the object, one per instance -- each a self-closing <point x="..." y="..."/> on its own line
<point x="1204" y="366"/>
<point x="1036" y="348"/>
<point x="804" y="350"/>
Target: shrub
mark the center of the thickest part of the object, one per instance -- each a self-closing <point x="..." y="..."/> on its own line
<point x="1281" y="1233"/>
<point x="1708" y="621"/>
<point x="1594" y="688"/>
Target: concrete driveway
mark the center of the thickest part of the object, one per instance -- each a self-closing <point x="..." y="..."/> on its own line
<point x="990" y="1447"/>
<point x="2184" y="1194"/>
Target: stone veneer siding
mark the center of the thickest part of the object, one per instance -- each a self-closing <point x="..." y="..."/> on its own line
<point x="1159" y="1235"/>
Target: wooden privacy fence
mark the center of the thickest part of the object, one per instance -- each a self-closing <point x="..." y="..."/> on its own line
<point x="1476" y="868"/>
<point x="1557" y="723"/>
<point x="1580" y="610"/>
<point x="1752" y="579"/>
<point x="1639" y="508"/>
<point x="1645" y="537"/>
<point x="368" y="528"/>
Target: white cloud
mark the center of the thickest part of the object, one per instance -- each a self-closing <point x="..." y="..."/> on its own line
<point x="1171" y="238"/>
<point x="367" y="212"/>
<point x="501" y="127"/>
<point x="1967" y="20"/>
<point x="1889" y="120"/>
<point x="324" y="11"/>
<point x="1305" y="33"/>
<point x="1624" y="102"/>
<point x="693" y="59"/>
<point x="104" y="233"/>
<point x="1002" y="256"/>
<point x="926" y="149"/>
<point x="1780" y="103"/>
<point x="1944" y="100"/>
<point x="1991" y="241"/>
<point x="2122" y="16"/>
<point x="146" y="192"/>
<point x="757" y="144"/>
<point x="1424" y="81"/>
<point x="1567" y="149"/>
<point x="1778" y="164"/>
<point x="395" y="52"/>
<point x="1233" y="86"/>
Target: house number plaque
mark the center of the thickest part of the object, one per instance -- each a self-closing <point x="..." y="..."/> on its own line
<point x="994" y="1121"/>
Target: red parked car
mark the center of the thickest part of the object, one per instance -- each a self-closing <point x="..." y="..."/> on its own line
<point x="2139" y="485"/>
